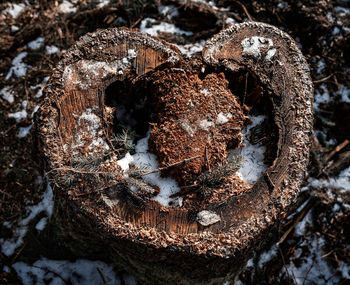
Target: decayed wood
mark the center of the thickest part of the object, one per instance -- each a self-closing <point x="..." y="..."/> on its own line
<point x="161" y="244"/>
<point x="277" y="61"/>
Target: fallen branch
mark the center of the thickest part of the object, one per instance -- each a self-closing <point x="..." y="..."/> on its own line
<point x="337" y="149"/>
<point x="300" y="216"/>
<point x="169" y="166"/>
<point x="323" y="79"/>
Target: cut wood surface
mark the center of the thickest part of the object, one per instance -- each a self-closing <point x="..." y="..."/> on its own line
<point x="173" y="244"/>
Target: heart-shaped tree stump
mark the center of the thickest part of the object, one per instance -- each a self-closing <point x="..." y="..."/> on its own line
<point x="188" y="118"/>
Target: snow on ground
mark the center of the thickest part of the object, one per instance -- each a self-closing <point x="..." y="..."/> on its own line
<point x="9" y="246"/>
<point x="18" y="68"/>
<point x="68" y="6"/>
<point x="24" y="131"/>
<point x="14" y="28"/>
<point x="40" y="87"/>
<point x="51" y="49"/>
<point x="20" y="115"/>
<point x="167" y="10"/>
<point x="36" y="44"/>
<point x="167" y="186"/>
<point x="45" y="271"/>
<point x="253" y="166"/>
<point x="190" y="49"/>
<point x="311" y="266"/>
<point x="7" y="94"/>
<point x="345" y="94"/>
<point x="14" y="10"/>
<point x="267" y="256"/>
<point x="321" y="96"/>
<point x="153" y="27"/>
<point x="102" y="3"/>
<point x="340" y="186"/>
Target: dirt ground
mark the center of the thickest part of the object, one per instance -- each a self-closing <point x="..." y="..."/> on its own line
<point x="314" y="241"/>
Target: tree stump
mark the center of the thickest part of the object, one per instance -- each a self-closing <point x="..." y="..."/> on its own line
<point x="193" y="112"/>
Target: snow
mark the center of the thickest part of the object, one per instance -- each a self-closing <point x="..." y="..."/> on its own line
<point x="206" y="125"/>
<point x="68" y="6"/>
<point x="168" y="10"/>
<point x="345" y="94"/>
<point x="41" y="87"/>
<point x="321" y="96"/>
<point x="205" y="92"/>
<point x="36" y="108"/>
<point x="342" y="10"/>
<point x="336" y="31"/>
<point x="155" y="28"/>
<point x="250" y="262"/>
<point x="125" y="161"/>
<point x="9" y="246"/>
<point x="18" y="68"/>
<point x="223" y="118"/>
<point x="190" y="49"/>
<point x="91" y="118"/>
<point x="253" y="166"/>
<point x="188" y="127"/>
<point x="51" y="49"/>
<point x="7" y="95"/>
<point x="320" y="66"/>
<point x="267" y="256"/>
<point x="310" y="267"/>
<point x="91" y="68"/>
<point x="65" y="272"/>
<point x="149" y="26"/>
<point x="24" y="131"/>
<point x="340" y="184"/>
<point x="282" y="5"/>
<point x="6" y="269"/>
<point x="7" y="224"/>
<point x="167" y="186"/>
<point x="18" y="116"/>
<point x="36" y="44"/>
<point x="102" y="3"/>
<point x="132" y="53"/>
<point x="14" y="28"/>
<point x="91" y="122"/>
<point x="336" y="207"/>
<point x="14" y="10"/>
<point x="301" y="228"/>
<point x="41" y="224"/>
<point x="252" y="46"/>
<point x="230" y="21"/>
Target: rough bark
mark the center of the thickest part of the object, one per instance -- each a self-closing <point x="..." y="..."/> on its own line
<point x="155" y="243"/>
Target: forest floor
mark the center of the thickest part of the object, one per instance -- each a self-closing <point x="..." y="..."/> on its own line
<point x="34" y="35"/>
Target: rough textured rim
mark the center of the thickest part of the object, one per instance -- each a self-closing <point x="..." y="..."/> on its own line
<point x="246" y="227"/>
